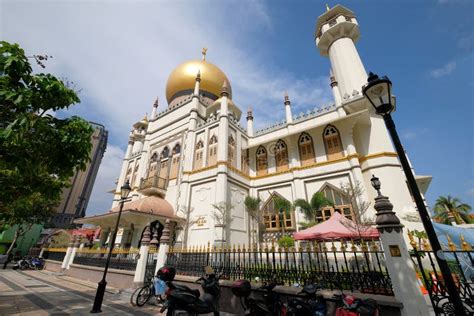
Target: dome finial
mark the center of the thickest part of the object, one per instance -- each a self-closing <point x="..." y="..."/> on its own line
<point x="287" y="98"/>
<point x="198" y="75"/>
<point x="204" y="52"/>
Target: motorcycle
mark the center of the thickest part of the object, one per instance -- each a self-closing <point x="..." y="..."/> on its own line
<point x="349" y="305"/>
<point x="311" y="304"/>
<point x="270" y="304"/>
<point x="36" y="263"/>
<point x="183" y="298"/>
<point x="22" y="264"/>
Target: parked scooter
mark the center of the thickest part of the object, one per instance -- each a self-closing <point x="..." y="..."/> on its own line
<point x="310" y="304"/>
<point x="36" y="263"/>
<point x="270" y="304"/>
<point x="22" y="264"/>
<point x="26" y="263"/>
<point x="349" y="305"/>
<point x="183" y="298"/>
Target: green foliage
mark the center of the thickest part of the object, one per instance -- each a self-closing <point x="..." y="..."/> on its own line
<point x="282" y="205"/>
<point x="286" y="242"/>
<point x="60" y="240"/>
<point x="252" y="205"/>
<point x="447" y="207"/>
<point x="310" y="209"/>
<point x="38" y="152"/>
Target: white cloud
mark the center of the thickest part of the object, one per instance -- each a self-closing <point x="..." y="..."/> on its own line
<point x="120" y="54"/>
<point x="109" y="171"/>
<point x="443" y="71"/>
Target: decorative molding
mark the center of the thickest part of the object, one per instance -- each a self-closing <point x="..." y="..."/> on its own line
<point x="377" y="155"/>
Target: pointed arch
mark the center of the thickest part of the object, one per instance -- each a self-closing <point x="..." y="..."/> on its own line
<point x="262" y="161"/>
<point x="212" y="151"/>
<point x="273" y="219"/>
<point x="198" y="155"/>
<point x="165" y="153"/>
<point x="306" y="149"/>
<point x="332" y="142"/>
<point x="175" y="158"/>
<point x="341" y="203"/>
<point x="281" y="156"/>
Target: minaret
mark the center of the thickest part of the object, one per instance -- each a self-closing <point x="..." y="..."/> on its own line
<point x="249" y="122"/>
<point x="336" y="32"/>
<point x="155" y="106"/>
<point x="289" y="116"/>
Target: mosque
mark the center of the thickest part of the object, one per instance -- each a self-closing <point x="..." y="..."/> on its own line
<point x="192" y="165"/>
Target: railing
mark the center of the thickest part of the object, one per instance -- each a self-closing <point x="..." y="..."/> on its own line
<point x="461" y="263"/>
<point x="55" y="254"/>
<point x="150" y="264"/>
<point x="355" y="267"/>
<point x="121" y="259"/>
<point x="154" y="182"/>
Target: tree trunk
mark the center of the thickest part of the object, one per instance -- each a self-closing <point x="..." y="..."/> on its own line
<point x="10" y="249"/>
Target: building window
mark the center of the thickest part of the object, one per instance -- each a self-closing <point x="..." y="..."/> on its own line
<point x="245" y="161"/>
<point x="281" y="156"/>
<point x="272" y="218"/>
<point x="153" y="165"/>
<point x="262" y="163"/>
<point x="175" y="156"/>
<point x="332" y="142"/>
<point x="165" y="153"/>
<point x="231" y="151"/>
<point x="212" y="157"/>
<point x="198" y="155"/>
<point x="340" y="201"/>
<point x="305" y="144"/>
<point x="135" y="173"/>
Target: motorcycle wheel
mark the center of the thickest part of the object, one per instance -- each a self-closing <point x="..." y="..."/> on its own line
<point x="143" y="296"/>
<point x="23" y="267"/>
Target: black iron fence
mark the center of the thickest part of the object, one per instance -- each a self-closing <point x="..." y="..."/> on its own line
<point x="461" y="263"/>
<point x="352" y="267"/>
<point x="150" y="264"/>
<point x="55" y="254"/>
<point x="122" y="258"/>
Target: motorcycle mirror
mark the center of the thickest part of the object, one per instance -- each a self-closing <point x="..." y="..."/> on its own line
<point x="209" y="270"/>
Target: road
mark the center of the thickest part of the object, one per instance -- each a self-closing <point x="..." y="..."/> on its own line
<point x="46" y="293"/>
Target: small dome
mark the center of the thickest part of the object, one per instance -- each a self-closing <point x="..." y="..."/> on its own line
<point x="182" y="79"/>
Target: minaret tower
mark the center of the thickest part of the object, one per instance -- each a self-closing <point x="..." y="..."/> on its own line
<point x="336" y="33"/>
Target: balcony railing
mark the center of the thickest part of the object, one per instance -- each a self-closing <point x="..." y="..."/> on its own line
<point x="153" y="185"/>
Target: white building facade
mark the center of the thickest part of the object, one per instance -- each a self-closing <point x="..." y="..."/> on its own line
<point x="194" y="164"/>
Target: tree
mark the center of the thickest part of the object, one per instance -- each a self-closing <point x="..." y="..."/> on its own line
<point x="450" y="208"/>
<point x="38" y="152"/>
<point x="188" y="222"/>
<point x="221" y="215"/>
<point x="361" y="221"/>
<point x="286" y="242"/>
<point x="313" y="208"/>
<point x="252" y="205"/>
<point x="282" y="206"/>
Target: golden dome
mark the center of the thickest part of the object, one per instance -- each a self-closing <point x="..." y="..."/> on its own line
<point x="183" y="78"/>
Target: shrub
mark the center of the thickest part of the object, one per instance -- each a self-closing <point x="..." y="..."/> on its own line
<point x="286" y="242"/>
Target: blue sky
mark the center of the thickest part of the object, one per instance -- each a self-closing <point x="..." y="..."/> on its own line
<point x="120" y="54"/>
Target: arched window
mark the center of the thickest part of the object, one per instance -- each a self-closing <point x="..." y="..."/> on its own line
<point x="273" y="218"/>
<point x="153" y="165"/>
<point x="198" y="155"/>
<point x="341" y="202"/>
<point x="262" y="163"/>
<point x="231" y="151"/>
<point x="212" y="157"/>
<point x="305" y="145"/>
<point x="176" y="154"/>
<point x="245" y="161"/>
<point x="332" y="142"/>
<point x="165" y="153"/>
<point x="281" y="156"/>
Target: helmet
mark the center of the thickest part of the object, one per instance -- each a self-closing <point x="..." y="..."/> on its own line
<point x="241" y="288"/>
<point x="166" y="273"/>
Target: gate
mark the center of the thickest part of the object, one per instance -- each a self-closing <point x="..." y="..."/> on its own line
<point x="150" y="265"/>
<point x="461" y="265"/>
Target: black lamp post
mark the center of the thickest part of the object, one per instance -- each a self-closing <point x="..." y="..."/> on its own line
<point x="379" y="93"/>
<point x="99" y="295"/>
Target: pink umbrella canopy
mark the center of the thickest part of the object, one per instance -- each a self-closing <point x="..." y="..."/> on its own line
<point x="334" y="228"/>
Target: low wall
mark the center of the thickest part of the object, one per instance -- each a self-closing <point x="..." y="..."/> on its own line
<point x="120" y="279"/>
<point x="52" y="265"/>
<point x="229" y="303"/>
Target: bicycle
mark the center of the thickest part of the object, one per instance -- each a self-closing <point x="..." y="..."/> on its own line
<point x="147" y="291"/>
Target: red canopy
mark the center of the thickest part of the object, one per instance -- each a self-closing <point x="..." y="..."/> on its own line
<point x="335" y="228"/>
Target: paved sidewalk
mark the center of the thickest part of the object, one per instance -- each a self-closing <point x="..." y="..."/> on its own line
<point x="47" y="293"/>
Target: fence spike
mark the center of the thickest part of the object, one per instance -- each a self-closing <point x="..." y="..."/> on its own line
<point x="374" y="246"/>
<point x="233" y="248"/>
<point x="426" y="245"/>
<point x="364" y="245"/>
<point x="208" y="246"/>
<point x="451" y="245"/>
<point x="243" y="247"/>
<point x="353" y="246"/>
<point x="464" y="245"/>
<point x="238" y="247"/>
<point x="412" y="239"/>
<point x="273" y="243"/>
<point x="333" y="247"/>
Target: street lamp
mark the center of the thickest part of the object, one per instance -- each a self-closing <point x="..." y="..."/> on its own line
<point x="379" y="93"/>
<point x="99" y="295"/>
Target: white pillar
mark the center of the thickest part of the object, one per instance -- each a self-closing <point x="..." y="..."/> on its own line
<point x="155" y="107"/>
<point x="337" y="96"/>
<point x="164" y="244"/>
<point x="398" y="262"/>
<point x="65" y="262"/>
<point x="289" y="115"/>
<point x="249" y="122"/>
<point x="140" y="270"/>
<point x="73" y="252"/>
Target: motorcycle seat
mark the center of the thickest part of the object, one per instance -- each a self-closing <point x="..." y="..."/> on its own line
<point x="187" y="289"/>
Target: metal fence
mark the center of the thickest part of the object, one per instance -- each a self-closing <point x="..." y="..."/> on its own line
<point x="55" y="254"/>
<point x="122" y="258"/>
<point x="461" y="263"/>
<point x="356" y="267"/>
<point x="150" y="264"/>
